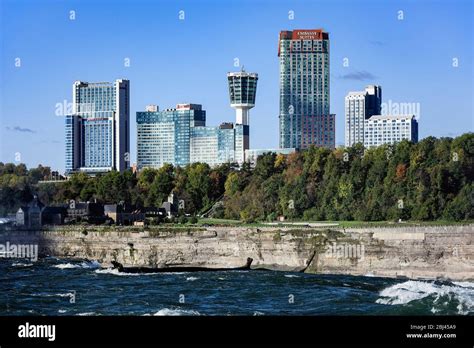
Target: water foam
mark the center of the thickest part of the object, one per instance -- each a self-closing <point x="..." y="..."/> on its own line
<point x="20" y="264"/>
<point x="90" y="264"/>
<point x="66" y="266"/>
<point x="45" y="294"/>
<point x="413" y="290"/>
<point x="464" y="284"/>
<point x="115" y="271"/>
<point x="175" y="312"/>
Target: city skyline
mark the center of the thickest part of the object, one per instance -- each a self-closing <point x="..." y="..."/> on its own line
<point x="402" y="56"/>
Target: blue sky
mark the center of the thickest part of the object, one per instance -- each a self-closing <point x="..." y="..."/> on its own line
<point x="173" y="60"/>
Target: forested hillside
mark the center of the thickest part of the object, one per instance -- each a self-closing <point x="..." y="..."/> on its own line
<point x="426" y="181"/>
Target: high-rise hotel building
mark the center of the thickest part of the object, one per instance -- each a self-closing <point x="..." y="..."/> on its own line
<point x="305" y="116"/>
<point x="179" y="136"/>
<point x="165" y="136"/>
<point x="364" y="123"/>
<point x="98" y="129"/>
<point x="359" y="106"/>
<point x="388" y="129"/>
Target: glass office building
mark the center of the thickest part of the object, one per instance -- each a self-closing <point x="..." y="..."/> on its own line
<point x="97" y="131"/>
<point x="305" y="117"/>
<point x="179" y="136"/>
<point x="217" y="145"/>
<point x="73" y="144"/>
<point x="165" y="136"/>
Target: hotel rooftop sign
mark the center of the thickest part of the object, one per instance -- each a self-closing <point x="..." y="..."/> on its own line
<point x="307" y="34"/>
<point x="304" y="34"/>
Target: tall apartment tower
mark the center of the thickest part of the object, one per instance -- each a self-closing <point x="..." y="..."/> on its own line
<point x="98" y="130"/>
<point x="242" y="92"/>
<point x="360" y="106"/>
<point x="305" y="117"/>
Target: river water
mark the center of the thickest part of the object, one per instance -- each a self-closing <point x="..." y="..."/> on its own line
<point x="70" y="287"/>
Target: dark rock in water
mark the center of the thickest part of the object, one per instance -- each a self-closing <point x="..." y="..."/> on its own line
<point x="121" y="268"/>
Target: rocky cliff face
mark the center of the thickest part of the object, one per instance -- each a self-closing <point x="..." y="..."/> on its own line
<point x="415" y="252"/>
<point x="424" y="252"/>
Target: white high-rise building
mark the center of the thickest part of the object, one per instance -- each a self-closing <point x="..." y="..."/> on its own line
<point x="381" y="130"/>
<point x="98" y="130"/>
<point x="359" y="106"/>
<point x="355" y="118"/>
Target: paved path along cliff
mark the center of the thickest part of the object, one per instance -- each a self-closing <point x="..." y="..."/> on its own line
<point x="413" y="252"/>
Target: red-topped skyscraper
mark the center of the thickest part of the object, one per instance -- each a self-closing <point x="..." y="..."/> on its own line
<point x="305" y="116"/>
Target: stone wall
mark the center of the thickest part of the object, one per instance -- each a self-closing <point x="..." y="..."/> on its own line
<point x="414" y="252"/>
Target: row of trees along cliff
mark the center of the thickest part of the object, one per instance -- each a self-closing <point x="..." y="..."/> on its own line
<point x="430" y="180"/>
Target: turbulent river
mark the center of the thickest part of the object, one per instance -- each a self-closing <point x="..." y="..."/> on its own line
<point x="69" y="287"/>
